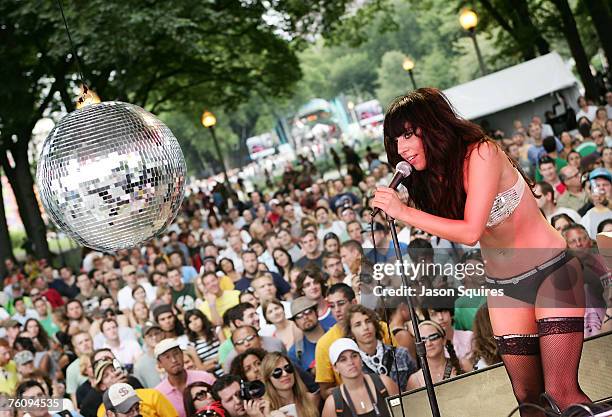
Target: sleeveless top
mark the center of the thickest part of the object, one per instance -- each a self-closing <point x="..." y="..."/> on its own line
<point x="380" y="392"/>
<point x="506" y="202"/>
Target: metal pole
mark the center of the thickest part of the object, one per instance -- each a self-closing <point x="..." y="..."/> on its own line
<point x="414" y="86"/>
<point x="219" y="156"/>
<point x="420" y="345"/>
<point x="480" y="60"/>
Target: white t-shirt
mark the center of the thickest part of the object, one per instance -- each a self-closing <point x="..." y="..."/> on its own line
<point x="593" y="217"/>
<point x="589" y="114"/>
<point x="128" y="351"/>
<point x="125" y="299"/>
<point x="266" y="329"/>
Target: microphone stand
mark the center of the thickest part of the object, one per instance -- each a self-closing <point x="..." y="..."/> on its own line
<point x="420" y="345"/>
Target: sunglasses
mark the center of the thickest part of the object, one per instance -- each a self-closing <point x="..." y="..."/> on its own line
<point x="243" y="341"/>
<point x="201" y="395"/>
<point x="278" y="372"/>
<point x="432" y="337"/>
<point x="304" y="313"/>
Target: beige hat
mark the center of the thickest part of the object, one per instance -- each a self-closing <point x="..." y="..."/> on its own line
<point x="164" y="346"/>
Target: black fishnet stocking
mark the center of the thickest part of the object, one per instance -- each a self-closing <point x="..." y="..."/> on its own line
<point x="561" y="341"/>
<point x="521" y="357"/>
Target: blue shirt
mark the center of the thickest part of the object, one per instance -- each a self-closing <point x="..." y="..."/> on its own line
<point x="534" y="152"/>
<point x="307" y="357"/>
<point x="389" y="255"/>
<point x="282" y="286"/>
<point x="328" y="321"/>
<point x="189" y="273"/>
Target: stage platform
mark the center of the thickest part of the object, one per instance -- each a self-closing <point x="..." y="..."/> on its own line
<point x="487" y="392"/>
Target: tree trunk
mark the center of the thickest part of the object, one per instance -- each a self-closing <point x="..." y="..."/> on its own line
<point x="22" y="184"/>
<point x="602" y="20"/>
<point x="527" y="49"/>
<point x="568" y="26"/>
<point x="6" y="247"/>
<point x="533" y="36"/>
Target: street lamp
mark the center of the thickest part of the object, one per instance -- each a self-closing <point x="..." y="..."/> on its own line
<point x="408" y="65"/>
<point x="209" y="121"/>
<point x="468" y="20"/>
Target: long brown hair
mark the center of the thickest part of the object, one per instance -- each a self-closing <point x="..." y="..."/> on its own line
<point x="446" y="140"/>
<point x="483" y="343"/>
<point x="305" y="408"/>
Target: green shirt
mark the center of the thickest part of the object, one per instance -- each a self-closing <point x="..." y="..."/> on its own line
<point x="559" y="163"/>
<point x="465" y="311"/>
<point x="225" y="349"/>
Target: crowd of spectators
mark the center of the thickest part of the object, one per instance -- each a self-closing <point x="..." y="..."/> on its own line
<point x="260" y="303"/>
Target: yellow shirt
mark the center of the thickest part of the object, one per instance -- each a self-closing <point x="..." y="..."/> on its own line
<point x="226" y="283"/>
<point x="228" y="299"/>
<point x="323" y="367"/>
<point x="152" y="404"/>
<point x="8" y="378"/>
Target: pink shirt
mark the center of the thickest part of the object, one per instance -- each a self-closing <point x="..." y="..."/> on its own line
<point x="175" y="396"/>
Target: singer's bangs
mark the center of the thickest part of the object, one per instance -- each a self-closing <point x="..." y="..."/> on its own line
<point x="398" y="114"/>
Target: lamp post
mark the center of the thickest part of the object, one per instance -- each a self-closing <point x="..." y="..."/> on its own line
<point x="408" y="66"/>
<point x="209" y="121"/>
<point x="468" y="20"/>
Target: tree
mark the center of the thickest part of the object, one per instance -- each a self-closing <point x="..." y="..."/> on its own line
<point x="514" y="17"/>
<point x="602" y="21"/>
<point x="570" y="30"/>
<point x="159" y="55"/>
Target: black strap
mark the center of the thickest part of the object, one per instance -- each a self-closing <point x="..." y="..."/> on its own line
<point x="299" y="348"/>
<point x="338" y="401"/>
<point x="448" y="370"/>
<point x="372" y="398"/>
<point x="379" y="385"/>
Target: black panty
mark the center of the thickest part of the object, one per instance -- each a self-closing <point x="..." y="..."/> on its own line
<point x="521" y="356"/>
<point x="561" y="341"/>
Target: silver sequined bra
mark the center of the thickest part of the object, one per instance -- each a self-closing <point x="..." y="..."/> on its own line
<point x="506" y="202"/>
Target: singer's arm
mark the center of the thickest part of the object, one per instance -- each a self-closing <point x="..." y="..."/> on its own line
<point x="483" y="175"/>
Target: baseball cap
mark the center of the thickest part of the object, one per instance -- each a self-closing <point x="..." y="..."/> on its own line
<point x="99" y="369"/>
<point x="23" y="357"/>
<point x="10" y="323"/>
<point x="208" y="259"/>
<point x="120" y="397"/>
<point x="339" y="346"/>
<point x="164" y="346"/>
<point x="378" y="227"/>
<point x="161" y="309"/>
<point x="149" y="326"/>
<point x="300" y="304"/>
<point x="600" y="173"/>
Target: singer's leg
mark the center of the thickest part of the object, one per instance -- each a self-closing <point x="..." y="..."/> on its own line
<point x="518" y="343"/>
<point x="560" y="315"/>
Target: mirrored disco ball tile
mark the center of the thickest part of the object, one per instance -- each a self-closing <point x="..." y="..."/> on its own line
<point x="111" y="175"/>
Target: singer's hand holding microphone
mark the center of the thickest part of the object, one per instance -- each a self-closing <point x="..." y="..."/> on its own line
<point x="386" y="198"/>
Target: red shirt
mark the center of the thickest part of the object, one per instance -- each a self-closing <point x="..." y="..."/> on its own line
<point x="54" y="297"/>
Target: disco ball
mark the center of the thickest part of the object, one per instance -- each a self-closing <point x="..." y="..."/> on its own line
<point x="111" y="175"/>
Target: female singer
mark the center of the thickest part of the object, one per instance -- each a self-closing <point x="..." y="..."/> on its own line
<point x="465" y="189"/>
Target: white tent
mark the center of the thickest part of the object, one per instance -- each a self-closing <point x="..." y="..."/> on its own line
<point x="513" y="87"/>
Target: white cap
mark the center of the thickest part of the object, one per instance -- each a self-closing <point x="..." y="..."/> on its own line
<point x="164" y="346"/>
<point x="120" y="397"/>
<point x="339" y="346"/>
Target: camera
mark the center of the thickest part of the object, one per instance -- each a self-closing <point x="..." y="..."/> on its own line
<point x="252" y="390"/>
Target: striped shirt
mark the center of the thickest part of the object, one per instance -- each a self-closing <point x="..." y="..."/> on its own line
<point x="207" y="351"/>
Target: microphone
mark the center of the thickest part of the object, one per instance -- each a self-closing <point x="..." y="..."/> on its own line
<point x="402" y="170"/>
